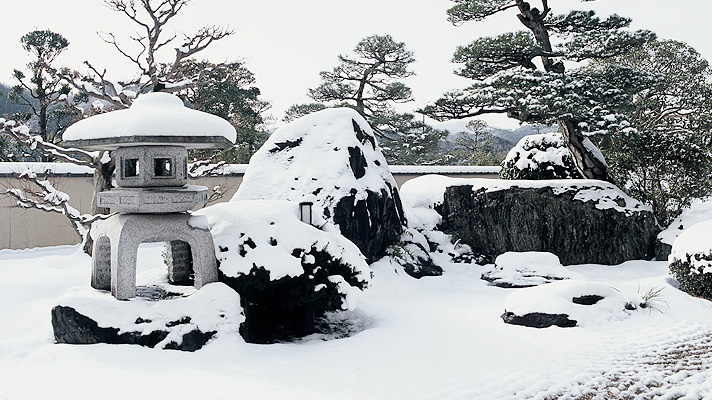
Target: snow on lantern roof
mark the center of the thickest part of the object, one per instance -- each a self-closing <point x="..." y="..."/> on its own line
<point x="153" y="119"/>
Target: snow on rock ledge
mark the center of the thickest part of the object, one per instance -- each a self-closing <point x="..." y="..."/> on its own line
<point x="331" y="159"/>
<point x="581" y="221"/>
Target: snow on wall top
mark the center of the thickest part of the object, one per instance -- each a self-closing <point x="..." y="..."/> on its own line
<point x="430" y="190"/>
<point x="41" y="167"/>
<point x="696" y="239"/>
<point x="152" y="114"/>
<point x="309" y="159"/>
<point x="444" y="169"/>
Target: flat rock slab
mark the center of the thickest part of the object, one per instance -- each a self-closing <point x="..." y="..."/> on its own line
<point x="180" y="319"/>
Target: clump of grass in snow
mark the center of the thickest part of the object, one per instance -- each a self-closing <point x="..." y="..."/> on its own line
<point x="653" y="298"/>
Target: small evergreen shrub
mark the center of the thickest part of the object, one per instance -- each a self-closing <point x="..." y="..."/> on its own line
<point x="691" y="260"/>
<point x="541" y="156"/>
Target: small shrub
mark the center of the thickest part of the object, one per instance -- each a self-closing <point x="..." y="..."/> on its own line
<point x="541" y="156"/>
<point x="691" y="260"/>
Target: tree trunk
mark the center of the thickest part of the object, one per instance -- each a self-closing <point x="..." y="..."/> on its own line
<point x="103" y="175"/>
<point x="589" y="165"/>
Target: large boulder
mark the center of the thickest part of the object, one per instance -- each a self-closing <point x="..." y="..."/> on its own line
<point x="331" y="158"/>
<point x="581" y="221"/>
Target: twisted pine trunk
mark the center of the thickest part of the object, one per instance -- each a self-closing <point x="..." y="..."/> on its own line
<point x="588" y="164"/>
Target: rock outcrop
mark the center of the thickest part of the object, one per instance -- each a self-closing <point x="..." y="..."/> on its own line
<point x="581" y="221"/>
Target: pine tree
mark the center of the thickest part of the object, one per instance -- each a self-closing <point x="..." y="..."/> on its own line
<point x="370" y="82"/>
<point x="44" y="88"/>
<point x="522" y="74"/>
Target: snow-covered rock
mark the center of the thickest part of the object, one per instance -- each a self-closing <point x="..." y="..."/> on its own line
<point x="282" y="267"/>
<point x="699" y="211"/>
<point x="531" y="268"/>
<point x="691" y="260"/>
<point x="331" y="158"/>
<point x="566" y="304"/>
<point x="87" y="316"/>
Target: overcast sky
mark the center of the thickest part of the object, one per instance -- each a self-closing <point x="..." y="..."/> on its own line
<point x="287" y="42"/>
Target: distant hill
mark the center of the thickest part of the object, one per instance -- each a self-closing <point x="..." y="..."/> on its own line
<point x="505" y="139"/>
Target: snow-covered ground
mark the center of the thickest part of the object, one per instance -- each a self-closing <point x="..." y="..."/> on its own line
<point x="433" y="338"/>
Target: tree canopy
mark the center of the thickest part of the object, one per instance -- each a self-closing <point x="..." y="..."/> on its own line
<point x="666" y="161"/>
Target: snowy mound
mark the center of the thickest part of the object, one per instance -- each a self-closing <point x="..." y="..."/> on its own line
<point x="691" y="260"/>
<point x="525" y="269"/>
<point x="267" y="235"/>
<point x="565" y="303"/>
<point x="318" y="155"/>
<point x="330" y="158"/>
<point x="152" y="114"/>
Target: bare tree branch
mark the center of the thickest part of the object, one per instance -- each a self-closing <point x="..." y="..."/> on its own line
<point x="41" y="194"/>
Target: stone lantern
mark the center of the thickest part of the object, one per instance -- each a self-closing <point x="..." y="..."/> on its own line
<point x="150" y="143"/>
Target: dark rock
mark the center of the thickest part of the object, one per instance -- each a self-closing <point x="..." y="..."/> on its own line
<point x="358" y="162"/>
<point x="192" y="341"/>
<point x="538" y="320"/>
<point x="287" y="144"/>
<point x="266" y="321"/>
<point x="72" y="327"/>
<point x="372" y="224"/>
<point x="587" y="300"/>
<point x="662" y="250"/>
<point x="538" y="219"/>
<point x="422" y="267"/>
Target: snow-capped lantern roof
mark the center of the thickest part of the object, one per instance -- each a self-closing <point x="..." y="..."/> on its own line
<point x="153" y="119"/>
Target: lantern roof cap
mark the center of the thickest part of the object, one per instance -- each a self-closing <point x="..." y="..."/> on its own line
<point x="153" y="119"/>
